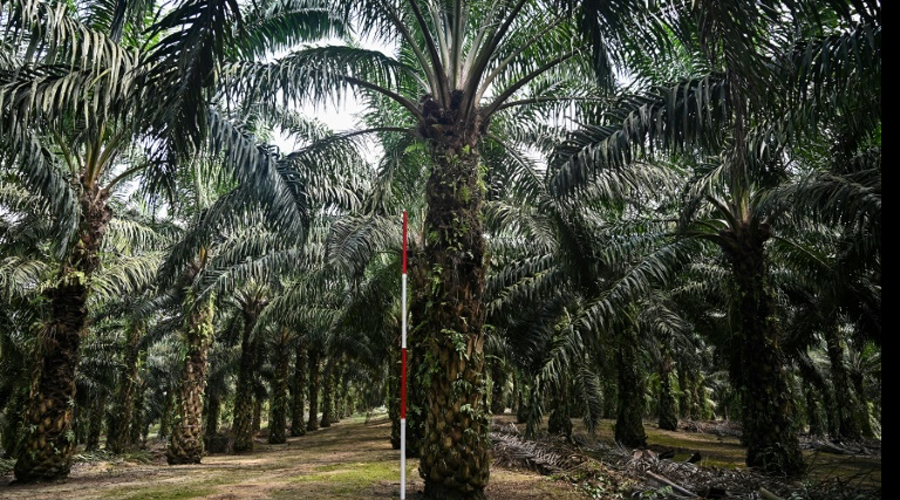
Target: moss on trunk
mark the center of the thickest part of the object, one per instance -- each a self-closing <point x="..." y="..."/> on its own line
<point x="629" y="428"/>
<point x="455" y="462"/>
<point x="186" y="443"/>
<point x="767" y="410"/>
<point x="48" y="445"/>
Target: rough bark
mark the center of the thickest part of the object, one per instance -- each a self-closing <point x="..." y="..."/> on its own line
<point x="186" y="443"/>
<point x="140" y="427"/>
<point x="560" y="421"/>
<point x="767" y="410"/>
<point x="327" y="393"/>
<point x="48" y="446"/>
<point x="393" y="391"/>
<point x="845" y="403"/>
<point x="418" y="370"/>
<point x="242" y="426"/>
<point x="668" y="412"/>
<point x="312" y="423"/>
<point x="298" y="428"/>
<point x="455" y="461"/>
<point x="121" y="435"/>
<point x="816" y="424"/>
<point x="684" y="392"/>
<point x="278" y="415"/>
<point x="165" y="420"/>
<point x="213" y="411"/>
<point x="862" y="408"/>
<point x="97" y="413"/>
<point x="498" y="390"/>
<point x="629" y="428"/>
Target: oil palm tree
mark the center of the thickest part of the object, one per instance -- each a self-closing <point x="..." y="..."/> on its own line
<point x="459" y="68"/>
<point x="764" y="110"/>
<point x="73" y="101"/>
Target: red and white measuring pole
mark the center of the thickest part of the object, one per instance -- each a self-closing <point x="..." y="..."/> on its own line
<point x="403" y="366"/>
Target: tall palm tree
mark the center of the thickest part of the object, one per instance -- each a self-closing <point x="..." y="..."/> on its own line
<point x="460" y="67"/>
<point x="73" y="100"/>
<point x="764" y="110"/>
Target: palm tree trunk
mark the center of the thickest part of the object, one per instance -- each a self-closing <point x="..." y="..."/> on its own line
<point x="816" y="425"/>
<point x="417" y="392"/>
<point x="327" y="393"/>
<point x="299" y="387"/>
<point x="165" y="420"/>
<point x="278" y="418"/>
<point x="259" y="398"/>
<point x="767" y="410"/>
<point x="393" y="394"/>
<point x="498" y="377"/>
<point x="560" y="421"/>
<point x="48" y="447"/>
<point x="97" y="413"/>
<point x="668" y="413"/>
<point x="213" y="411"/>
<point x="120" y="436"/>
<point x="312" y="424"/>
<point x="862" y="409"/>
<point x="843" y="413"/>
<point x="455" y="463"/>
<point x="629" y="429"/>
<point x="139" y="425"/>
<point x="186" y="443"/>
<point x="242" y="427"/>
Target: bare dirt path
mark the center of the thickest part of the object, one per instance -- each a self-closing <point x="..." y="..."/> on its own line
<point x="350" y="460"/>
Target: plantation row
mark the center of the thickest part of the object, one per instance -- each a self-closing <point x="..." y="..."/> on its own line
<point x="631" y="209"/>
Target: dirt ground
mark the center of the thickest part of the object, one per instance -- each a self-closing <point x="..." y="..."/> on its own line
<point x="354" y="460"/>
<point x="349" y="460"/>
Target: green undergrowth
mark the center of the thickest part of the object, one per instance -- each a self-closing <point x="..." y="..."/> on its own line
<point x="162" y="492"/>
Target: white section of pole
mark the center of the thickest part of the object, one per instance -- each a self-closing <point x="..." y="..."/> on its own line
<point x="402" y="459"/>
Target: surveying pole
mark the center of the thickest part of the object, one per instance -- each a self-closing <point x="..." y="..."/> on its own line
<point x="403" y="366"/>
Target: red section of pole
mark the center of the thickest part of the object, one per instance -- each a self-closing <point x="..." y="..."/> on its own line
<point x="405" y="225"/>
<point x="403" y="384"/>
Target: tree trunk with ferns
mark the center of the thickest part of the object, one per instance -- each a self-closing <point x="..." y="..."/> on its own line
<point x="455" y="462"/>
<point x="299" y="385"/>
<point x="629" y="428"/>
<point x="767" y="410"/>
<point x="186" y="443"/>
<point x="278" y="418"/>
<point x="121" y="435"/>
<point x="48" y="446"/>
<point x="668" y="411"/>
